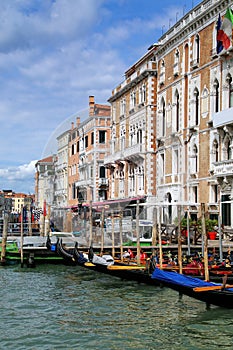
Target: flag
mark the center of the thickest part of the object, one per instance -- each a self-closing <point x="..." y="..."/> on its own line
<point x="219" y="42"/>
<point x="225" y="32"/>
<point x="44" y="209"/>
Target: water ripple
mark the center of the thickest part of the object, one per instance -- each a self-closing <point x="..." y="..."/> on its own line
<point x="60" y="307"/>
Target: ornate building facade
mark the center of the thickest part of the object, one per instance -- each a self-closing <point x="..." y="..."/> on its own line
<point x="88" y="178"/>
<point x="132" y="148"/>
<point x="194" y="85"/>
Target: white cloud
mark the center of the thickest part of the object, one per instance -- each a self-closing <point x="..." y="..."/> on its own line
<point x="53" y="55"/>
<point x="20" y="175"/>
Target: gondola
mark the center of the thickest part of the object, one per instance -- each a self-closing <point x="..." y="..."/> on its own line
<point x="66" y="254"/>
<point x="126" y="271"/>
<point x="208" y="292"/>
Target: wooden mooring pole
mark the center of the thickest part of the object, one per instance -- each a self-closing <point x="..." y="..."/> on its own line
<point x="91" y="228"/>
<point x="205" y="240"/>
<point x="120" y="232"/>
<point x="138" y="233"/>
<point x="113" y="234"/>
<point x="155" y="227"/>
<point x="179" y="240"/>
<point x="102" y="230"/>
<point x="160" y="239"/>
<point x="4" y="239"/>
<point x="21" y="240"/>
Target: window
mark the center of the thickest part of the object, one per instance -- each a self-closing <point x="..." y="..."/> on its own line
<point x="161" y="165"/>
<point x="196" y="50"/>
<point x="73" y="191"/>
<point x="175" y="163"/>
<point x="216" y="95"/>
<point x="139" y="136"/>
<point x="228" y="149"/>
<point x="72" y="149"/>
<point x="92" y="138"/>
<point x="194" y="189"/>
<point x="215" y="151"/>
<point x="230" y="89"/>
<point x="91" y="172"/>
<point x="163" y="117"/>
<point x="122" y="106"/>
<point x="86" y="141"/>
<point x="176" y="63"/>
<point x="142" y="94"/>
<point x="177" y="102"/>
<point x="102" y="136"/>
<point x="162" y="73"/>
<point x="214" y="193"/>
<point x="102" y="172"/>
<point x="132" y="99"/>
<point x="195" y="155"/>
<point x="196" y="106"/>
<point x="78" y="146"/>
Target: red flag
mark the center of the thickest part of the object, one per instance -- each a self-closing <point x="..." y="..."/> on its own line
<point x="44" y="209"/>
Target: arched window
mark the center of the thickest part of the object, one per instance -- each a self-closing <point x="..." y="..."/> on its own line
<point x="215" y="151"/>
<point x="228" y="147"/>
<point x="196" y="107"/>
<point x="196" y="50"/>
<point x="139" y="136"/>
<point x="195" y="156"/>
<point x="216" y="95"/>
<point x="176" y="62"/>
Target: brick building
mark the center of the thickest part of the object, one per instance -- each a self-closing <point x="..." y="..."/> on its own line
<point x="87" y="177"/>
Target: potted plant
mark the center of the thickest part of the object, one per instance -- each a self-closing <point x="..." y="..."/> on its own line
<point x="210" y="228"/>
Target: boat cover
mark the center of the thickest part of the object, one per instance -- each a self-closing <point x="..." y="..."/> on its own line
<point x="104" y="260"/>
<point x="179" y="279"/>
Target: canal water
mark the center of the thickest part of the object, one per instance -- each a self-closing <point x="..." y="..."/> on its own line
<point x="61" y="307"/>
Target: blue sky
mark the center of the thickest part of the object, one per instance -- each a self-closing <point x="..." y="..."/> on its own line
<point x="53" y="55"/>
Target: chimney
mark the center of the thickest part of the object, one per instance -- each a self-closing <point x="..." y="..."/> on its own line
<point x="72" y="125"/>
<point x="91" y="105"/>
<point x="77" y="121"/>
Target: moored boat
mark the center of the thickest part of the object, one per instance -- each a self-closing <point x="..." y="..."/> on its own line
<point x="209" y="292"/>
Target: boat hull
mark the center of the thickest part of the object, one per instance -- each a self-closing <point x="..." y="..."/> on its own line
<point x="186" y="285"/>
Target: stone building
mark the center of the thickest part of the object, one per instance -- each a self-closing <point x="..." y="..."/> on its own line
<point x="193" y="132"/>
<point x="61" y="171"/>
<point x="133" y="142"/>
<point x="45" y="181"/>
<point x="171" y="131"/>
<point x="87" y="177"/>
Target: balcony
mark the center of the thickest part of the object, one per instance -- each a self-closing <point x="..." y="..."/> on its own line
<point x="134" y="151"/>
<point x="84" y="183"/>
<point x="223" y="168"/>
<point x="223" y="118"/>
<point x="103" y="182"/>
<point x="112" y="158"/>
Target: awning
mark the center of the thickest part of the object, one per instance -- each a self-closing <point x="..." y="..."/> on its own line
<point x="113" y="202"/>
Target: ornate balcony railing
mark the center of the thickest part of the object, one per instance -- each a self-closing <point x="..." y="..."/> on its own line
<point x="223" y="168"/>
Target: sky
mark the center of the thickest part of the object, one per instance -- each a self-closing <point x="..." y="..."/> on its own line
<point x="54" y="54"/>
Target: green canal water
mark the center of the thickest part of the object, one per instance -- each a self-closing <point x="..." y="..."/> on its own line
<point x="62" y="307"/>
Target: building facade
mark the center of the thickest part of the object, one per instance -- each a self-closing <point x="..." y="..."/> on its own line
<point x="132" y="157"/>
<point x="61" y="170"/>
<point x="89" y="140"/>
<point x="193" y="87"/>
<point x="45" y="181"/>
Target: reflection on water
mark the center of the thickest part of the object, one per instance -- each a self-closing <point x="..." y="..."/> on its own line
<point x="60" y="307"/>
